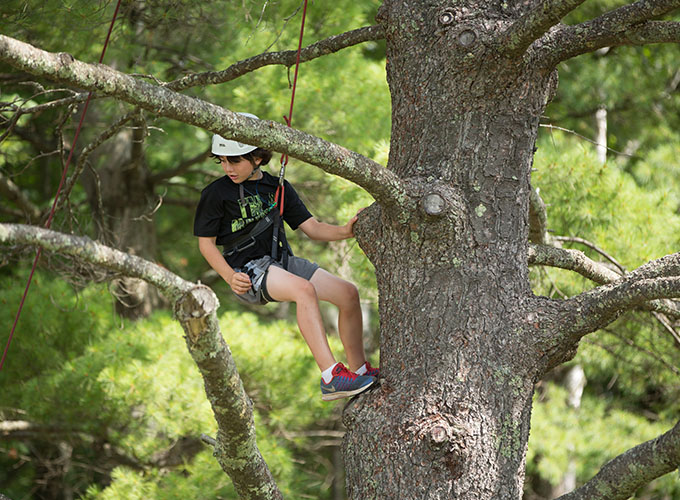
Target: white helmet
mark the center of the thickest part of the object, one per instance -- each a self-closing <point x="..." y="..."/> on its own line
<point x="227" y="147"/>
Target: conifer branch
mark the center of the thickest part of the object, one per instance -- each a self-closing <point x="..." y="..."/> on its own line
<point x="622" y="476"/>
<point x="330" y="45"/>
<point x="577" y="261"/>
<point x="573" y="260"/>
<point x="195" y="309"/>
<point x="536" y="22"/>
<point x="594" y="309"/>
<point x="572" y="41"/>
<point x="385" y="186"/>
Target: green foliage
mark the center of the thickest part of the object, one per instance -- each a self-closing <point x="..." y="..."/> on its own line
<point x="588" y="437"/>
<point x="603" y="204"/>
<point x="136" y="390"/>
<point x="631" y="367"/>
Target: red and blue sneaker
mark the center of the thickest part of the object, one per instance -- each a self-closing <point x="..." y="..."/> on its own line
<point x="344" y="384"/>
<point x="371" y="371"/>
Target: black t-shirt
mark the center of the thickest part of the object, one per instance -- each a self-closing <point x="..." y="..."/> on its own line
<point x="221" y="213"/>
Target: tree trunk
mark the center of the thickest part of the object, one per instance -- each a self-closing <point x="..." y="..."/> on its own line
<point x="451" y="419"/>
<point x="126" y="222"/>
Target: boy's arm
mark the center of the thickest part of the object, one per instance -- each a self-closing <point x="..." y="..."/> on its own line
<point x="327" y="232"/>
<point x="239" y="282"/>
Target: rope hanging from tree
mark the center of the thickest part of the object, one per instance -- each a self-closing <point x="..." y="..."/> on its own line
<point x="48" y="223"/>
<point x="289" y="118"/>
<point x="279" y="195"/>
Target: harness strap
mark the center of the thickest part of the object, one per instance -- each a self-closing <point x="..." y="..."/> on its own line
<point x="260" y="227"/>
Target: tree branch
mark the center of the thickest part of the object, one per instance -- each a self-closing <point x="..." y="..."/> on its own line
<point x="181" y="168"/>
<point x="384" y="185"/>
<point x="573" y="260"/>
<point x="85" y="249"/>
<point x="577" y="261"/>
<point x="87" y="151"/>
<point x="12" y="192"/>
<point x="622" y="476"/>
<point x="597" y="308"/>
<point x="195" y="309"/>
<point x="572" y="41"/>
<point x="536" y="22"/>
<point x="285" y="58"/>
<point x="593" y="246"/>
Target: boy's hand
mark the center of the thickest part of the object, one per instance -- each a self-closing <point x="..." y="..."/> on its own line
<point x="349" y="227"/>
<point x="239" y="283"/>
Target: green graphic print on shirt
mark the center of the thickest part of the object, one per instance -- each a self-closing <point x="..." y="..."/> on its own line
<point x="252" y="209"/>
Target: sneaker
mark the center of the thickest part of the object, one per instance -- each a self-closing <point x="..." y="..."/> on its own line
<point x="344" y="384"/>
<point x="371" y="371"/>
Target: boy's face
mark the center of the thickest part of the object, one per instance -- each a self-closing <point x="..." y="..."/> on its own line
<point x="241" y="170"/>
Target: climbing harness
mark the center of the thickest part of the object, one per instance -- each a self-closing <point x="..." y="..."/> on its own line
<point x="48" y="223"/>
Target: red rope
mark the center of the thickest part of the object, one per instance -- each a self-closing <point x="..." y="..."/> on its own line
<point x="289" y="118"/>
<point x="48" y="223"/>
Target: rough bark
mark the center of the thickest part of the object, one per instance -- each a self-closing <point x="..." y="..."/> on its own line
<point x="195" y="308"/>
<point x="463" y="339"/>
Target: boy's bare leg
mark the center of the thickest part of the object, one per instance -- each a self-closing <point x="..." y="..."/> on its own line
<point x="286" y="287"/>
<point x="345" y="296"/>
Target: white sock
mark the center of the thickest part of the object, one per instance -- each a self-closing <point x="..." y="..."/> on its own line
<point x="327" y="374"/>
<point x="362" y="369"/>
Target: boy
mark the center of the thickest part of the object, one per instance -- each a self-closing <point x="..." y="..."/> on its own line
<point x="238" y="211"/>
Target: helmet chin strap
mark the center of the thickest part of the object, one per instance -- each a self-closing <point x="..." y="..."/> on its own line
<point x="255" y="169"/>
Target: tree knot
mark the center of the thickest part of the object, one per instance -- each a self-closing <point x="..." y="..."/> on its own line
<point x="445" y="438"/>
<point x="194" y="307"/>
<point x="65" y="59"/>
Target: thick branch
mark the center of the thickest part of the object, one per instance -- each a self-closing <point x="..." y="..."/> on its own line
<point x="577" y="261"/>
<point x="195" y="309"/>
<point x="572" y="41"/>
<point x="236" y="448"/>
<point x="85" y="249"/>
<point x="573" y="260"/>
<point x="383" y="184"/>
<point x="286" y="58"/>
<point x="536" y="22"/>
<point x="622" y="476"/>
<point x="597" y="308"/>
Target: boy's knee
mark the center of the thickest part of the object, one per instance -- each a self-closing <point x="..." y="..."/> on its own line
<point x="350" y="294"/>
<point x="306" y="290"/>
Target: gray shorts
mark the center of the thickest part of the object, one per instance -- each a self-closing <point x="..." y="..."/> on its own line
<point x="258" y="270"/>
